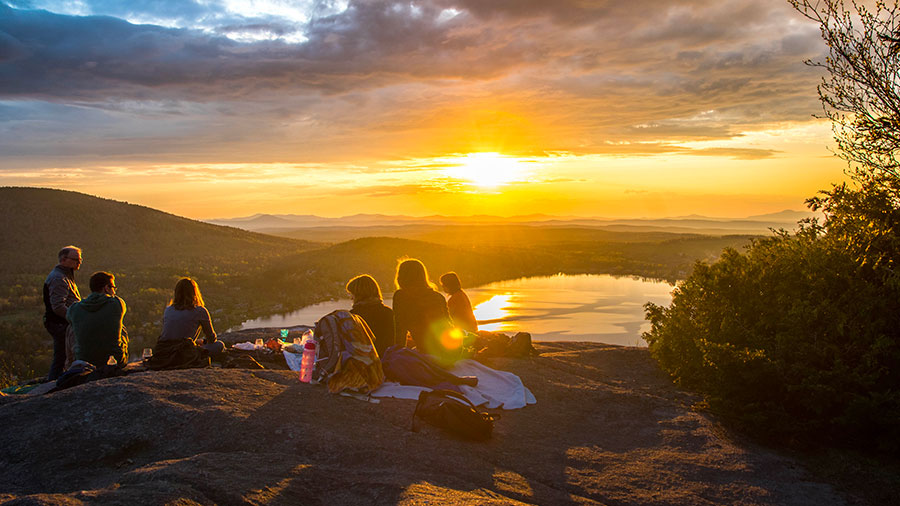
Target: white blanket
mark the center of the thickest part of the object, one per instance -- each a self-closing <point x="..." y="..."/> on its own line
<point x="496" y="389"/>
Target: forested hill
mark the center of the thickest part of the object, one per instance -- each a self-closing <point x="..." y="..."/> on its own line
<point x="242" y="274"/>
<point x="147" y="250"/>
<point x="245" y="275"/>
<point x="117" y="235"/>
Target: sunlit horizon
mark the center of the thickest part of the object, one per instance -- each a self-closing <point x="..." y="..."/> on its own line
<point x="303" y="108"/>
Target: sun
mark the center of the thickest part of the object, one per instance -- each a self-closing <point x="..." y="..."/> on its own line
<point x="488" y="170"/>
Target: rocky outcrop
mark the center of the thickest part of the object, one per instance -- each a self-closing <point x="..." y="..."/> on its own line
<point x="608" y="428"/>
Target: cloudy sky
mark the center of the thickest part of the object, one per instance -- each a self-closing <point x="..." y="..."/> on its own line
<point x="217" y="108"/>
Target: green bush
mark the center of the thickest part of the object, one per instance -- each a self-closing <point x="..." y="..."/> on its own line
<point x="797" y="337"/>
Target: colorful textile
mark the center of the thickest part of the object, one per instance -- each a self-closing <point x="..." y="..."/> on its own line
<point x="346" y="358"/>
<point x="20" y="389"/>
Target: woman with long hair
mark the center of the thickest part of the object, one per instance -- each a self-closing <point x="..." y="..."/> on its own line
<point x="185" y="317"/>
<point x="368" y="304"/>
<point x="419" y="310"/>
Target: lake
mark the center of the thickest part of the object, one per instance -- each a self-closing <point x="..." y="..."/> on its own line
<point x="586" y="307"/>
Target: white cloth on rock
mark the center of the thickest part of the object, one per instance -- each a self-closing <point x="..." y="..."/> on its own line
<point x="496" y="389"/>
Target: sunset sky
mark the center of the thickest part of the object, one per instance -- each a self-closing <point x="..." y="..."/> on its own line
<point x="610" y="108"/>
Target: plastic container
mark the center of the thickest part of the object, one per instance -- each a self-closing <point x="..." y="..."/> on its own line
<point x="308" y="361"/>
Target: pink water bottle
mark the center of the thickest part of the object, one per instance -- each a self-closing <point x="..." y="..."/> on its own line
<point x="308" y="361"/>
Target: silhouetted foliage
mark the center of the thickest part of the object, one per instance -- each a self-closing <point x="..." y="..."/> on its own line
<point x="861" y="93"/>
<point x="799" y="337"/>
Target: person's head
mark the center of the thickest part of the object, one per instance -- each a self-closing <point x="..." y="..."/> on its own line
<point x="450" y="282"/>
<point x="70" y="256"/>
<point x="103" y="282"/>
<point x="187" y="294"/>
<point x="411" y="273"/>
<point x="364" y="287"/>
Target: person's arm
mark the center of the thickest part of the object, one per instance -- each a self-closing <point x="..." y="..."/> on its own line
<point x="455" y="309"/>
<point x="122" y="354"/>
<point x="206" y="325"/>
<point x="59" y="293"/>
<point x="401" y="326"/>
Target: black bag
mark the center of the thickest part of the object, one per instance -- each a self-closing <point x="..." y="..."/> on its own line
<point x="84" y="372"/>
<point x="520" y="346"/>
<point x="454" y="413"/>
<point x="177" y="354"/>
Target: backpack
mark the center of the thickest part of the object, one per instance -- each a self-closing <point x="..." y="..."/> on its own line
<point x="454" y="413"/>
<point x="520" y="346"/>
<point x="345" y="354"/>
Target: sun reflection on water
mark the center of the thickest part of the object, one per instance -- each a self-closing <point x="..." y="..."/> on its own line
<point x="496" y="308"/>
<point x="586" y="307"/>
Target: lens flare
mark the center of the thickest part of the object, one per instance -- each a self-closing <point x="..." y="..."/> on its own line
<point x="452" y="339"/>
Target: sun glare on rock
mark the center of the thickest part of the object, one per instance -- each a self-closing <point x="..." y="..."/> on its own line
<point x="488" y="170"/>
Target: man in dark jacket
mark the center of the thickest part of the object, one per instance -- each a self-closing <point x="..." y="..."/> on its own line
<point x="60" y="292"/>
<point x="97" y="323"/>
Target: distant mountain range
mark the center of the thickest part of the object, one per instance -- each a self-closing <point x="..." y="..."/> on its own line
<point x="285" y="224"/>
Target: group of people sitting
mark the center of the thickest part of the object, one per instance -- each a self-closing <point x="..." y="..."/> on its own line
<point x="420" y="316"/>
<point x="91" y="330"/>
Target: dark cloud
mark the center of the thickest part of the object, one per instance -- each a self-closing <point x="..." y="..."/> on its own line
<point x="373" y="43"/>
<point x="370" y="44"/>
<point x="564" y="75"/>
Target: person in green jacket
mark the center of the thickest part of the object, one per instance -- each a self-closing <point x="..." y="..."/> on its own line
<point x="97" y="323"/>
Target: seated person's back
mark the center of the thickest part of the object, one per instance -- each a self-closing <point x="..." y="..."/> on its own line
<point x="186" y="316"/>
<point x="182" y="323"/>
<point x="97" y="323"/>
<point x="458" y="304"/>
<point x="368" y="304"/>
<point x="418" y="309"/>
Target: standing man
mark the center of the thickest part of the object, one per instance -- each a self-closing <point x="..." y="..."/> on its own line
<point x="97" y="323"/>
<point x="60" y="292"/>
